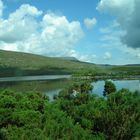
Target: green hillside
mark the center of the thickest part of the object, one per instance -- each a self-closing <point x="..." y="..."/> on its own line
<point x="131" y="69"/>
<point x="17" y="63"/>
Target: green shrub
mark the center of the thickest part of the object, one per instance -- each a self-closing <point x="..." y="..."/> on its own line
<point x="30" y="116"/>
<point x="109" y="87"/>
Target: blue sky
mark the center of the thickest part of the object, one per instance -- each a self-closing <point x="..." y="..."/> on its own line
<point x="97" y="31"/>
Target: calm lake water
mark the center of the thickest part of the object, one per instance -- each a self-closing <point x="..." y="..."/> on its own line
<point x="34" y="78"/>
<point x="132" y="85"/>
<point x="53" y="84"/>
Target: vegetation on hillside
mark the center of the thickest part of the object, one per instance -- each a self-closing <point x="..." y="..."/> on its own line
<point x="84" y="116"/>
<point x="17" y="63"/>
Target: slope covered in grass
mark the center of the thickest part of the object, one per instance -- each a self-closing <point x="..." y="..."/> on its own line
<point x="17" y="63"/>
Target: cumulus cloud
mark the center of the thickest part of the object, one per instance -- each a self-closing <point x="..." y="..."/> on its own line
<point x="20" y="25"/>
<point x="50" y="34"/>
<point x="127" y="13"/>
<point x="111" y="39"/>
<point x="58" y="33"/>
<point x="1" y="8"/>
<point x="90" y="23"/>
<point x="117" y="7"/>
<point x="107" y="55"/>
<point x="133" y="52"/>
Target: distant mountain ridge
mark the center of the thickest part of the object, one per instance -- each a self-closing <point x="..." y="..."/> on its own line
<point x="132" y="65"/>
<point x="69" y="58"/>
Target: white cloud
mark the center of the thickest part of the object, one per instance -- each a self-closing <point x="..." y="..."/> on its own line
<point x="20" y="25"/>
<point x="123" y="34"/>
<point x="133" y="52"/>
<point x="138" y="55"/>
<point x="25" y="10"/>
<point x="90" y="23"/>
<point x="107" y="55"/>
<point x="53" y="35"/>
<point x="116" y="7"/>
<point x="82" y="57"/>
<point x="111" y="39"/>
<point x="58" y="33"/>
<point x="127" y="13"/>
<point x="1" y="8"/>
<point x="6" y="46"/>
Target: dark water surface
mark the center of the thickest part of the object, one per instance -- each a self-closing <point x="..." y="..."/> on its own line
<point x="52" y="84"/>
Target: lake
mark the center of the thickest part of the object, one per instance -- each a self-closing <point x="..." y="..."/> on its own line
<point x="132" y="85"/>
<point x="34" y="78"/>
<point x="51" y="85"/>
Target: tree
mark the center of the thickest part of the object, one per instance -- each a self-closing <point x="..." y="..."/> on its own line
<point x="86" y="87"/>
<point x="109" y="87"/>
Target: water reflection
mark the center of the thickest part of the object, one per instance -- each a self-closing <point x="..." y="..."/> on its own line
<point x="34" y="78"/>
<point x="52" y="87"/>
<point x="49" y="86"/>
<point x="52" y="93"/>
<point x="132" y="85"/>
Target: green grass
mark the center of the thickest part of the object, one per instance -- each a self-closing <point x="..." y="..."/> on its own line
<point x="17" y="63"/>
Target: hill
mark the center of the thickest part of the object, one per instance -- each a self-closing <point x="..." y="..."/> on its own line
<point x="18" y="63"/>
<point x="68" y="58"/>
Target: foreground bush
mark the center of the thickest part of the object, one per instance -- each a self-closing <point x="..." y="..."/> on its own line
<point x="109" y="88"/>
<point x="30" y="116"/>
